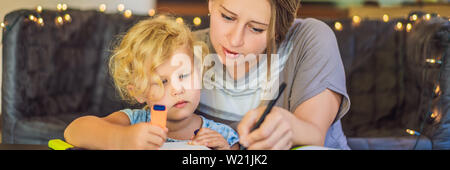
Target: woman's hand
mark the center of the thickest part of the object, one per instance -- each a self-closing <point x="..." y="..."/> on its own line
<point x="274" y="133"/>
<point x="210" y="139"/>
<point x="143" y="136"/>
<point x="281" y="129"/>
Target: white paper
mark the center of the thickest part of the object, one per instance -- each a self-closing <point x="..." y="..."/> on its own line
<point x="182" y="146"/>
<point x="309" y="147"/>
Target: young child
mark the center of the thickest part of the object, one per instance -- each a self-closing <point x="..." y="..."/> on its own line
<point x="154" y="65"/>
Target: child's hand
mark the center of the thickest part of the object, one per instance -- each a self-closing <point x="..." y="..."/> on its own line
<point x="144" y="136"/>
<point x="210" y="139"/>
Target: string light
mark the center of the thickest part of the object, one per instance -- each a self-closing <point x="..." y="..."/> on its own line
<point x="151" y="12"/>
<point x="39" y="9"/>
<point x="408" y="27"/>
<point x="428" y="17"/>
<point x="67" y="18"/>
<point x="399" y="26"/>
<point x="59" y="7"/>
<point x="338" y="26"/>
<point x="413" y="17"/>
<point x="120" y="7"/>
<point x="59" y="20"/>
<point x="412" y="132"/>
<point x="179" y="20"/>
<point x="102" y="7"/>
<point x="197" y="21"/>
<point x="64" y="7"/>
<point x="356" y="20"/>
<point x="127" y="13"/>
<point x="40" y="21"/>
<point x="433" y="61"/>
<point x="434" y="115"/>
<point x="386" y="18"/>
<point x="430" y="60"/>
<point x="437" y="91"/>
<point x="3" y="25"/>
<point x="32" y="18"/>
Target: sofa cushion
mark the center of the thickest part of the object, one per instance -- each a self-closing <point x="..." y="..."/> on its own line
<point x="39" y="129"/>
<point x="389" y="143"/>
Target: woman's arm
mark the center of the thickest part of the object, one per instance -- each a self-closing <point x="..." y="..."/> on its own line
<point x="281" y="129"/>
<point x="324" y="107"/>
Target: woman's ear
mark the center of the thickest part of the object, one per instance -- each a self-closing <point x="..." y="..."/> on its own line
<point x="131" y="91"/>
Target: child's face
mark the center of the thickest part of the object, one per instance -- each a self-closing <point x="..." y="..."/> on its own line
<point x="178" y="77"/>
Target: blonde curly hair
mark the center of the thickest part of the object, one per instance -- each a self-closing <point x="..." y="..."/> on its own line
<point x="142" y="49"/>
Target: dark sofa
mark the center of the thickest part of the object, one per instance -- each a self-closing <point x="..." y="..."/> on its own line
<point x="53" y="74"/>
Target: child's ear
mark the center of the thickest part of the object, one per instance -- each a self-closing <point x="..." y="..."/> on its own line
<point x="131" y="91"/>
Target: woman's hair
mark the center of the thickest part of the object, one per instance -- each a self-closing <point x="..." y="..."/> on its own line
<point x="283" y="14"/>
<point x="142" y="49"/>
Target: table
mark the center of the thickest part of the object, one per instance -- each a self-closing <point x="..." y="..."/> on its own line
<point x="45" y="147"/>
<point x="23" y="147"/>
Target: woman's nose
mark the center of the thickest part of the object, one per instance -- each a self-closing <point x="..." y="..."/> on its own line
<point x="236" y="37"/>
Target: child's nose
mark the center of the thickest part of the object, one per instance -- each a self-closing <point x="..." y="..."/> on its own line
<point x="177" y="91"/>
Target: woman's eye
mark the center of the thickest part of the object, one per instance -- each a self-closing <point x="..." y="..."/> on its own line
<point x="227" y="17"/>
<point x="184" y="76"/>
<point x="257" y="30"/>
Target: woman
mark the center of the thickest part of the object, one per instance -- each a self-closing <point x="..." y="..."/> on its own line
<point x="315" y="99"/>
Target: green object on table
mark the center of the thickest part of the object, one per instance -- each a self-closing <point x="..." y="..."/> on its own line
<point x="58" y="144"/>
<point x="311" y="147"/>
<point x="296" y="147"/>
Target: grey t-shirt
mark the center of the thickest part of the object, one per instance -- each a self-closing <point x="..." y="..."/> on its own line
<point x="313" y="64"/>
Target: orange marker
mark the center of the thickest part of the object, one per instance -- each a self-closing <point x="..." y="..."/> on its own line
<point x="158" y="116"/>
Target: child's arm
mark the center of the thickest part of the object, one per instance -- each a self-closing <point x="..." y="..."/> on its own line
<point x="113" y="132"/>
<point x="92" y="132"/>
<point x="235" y="146"/>
<point x="212" y="139"/>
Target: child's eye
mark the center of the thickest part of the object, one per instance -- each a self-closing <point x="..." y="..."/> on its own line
<point x="227" y="17"/>
<point x="164" y="81"/>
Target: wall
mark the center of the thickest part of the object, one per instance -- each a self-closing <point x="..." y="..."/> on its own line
<point x="136" y="6"/>
<point x="397" y="11"/>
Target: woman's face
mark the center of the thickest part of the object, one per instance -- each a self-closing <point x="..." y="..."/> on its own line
<point x="238" y="27"/>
